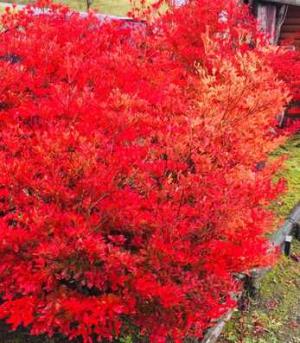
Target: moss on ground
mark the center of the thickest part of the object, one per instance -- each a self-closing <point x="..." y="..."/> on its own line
<point x="291" y="172"/>
<point x="274" y="315"/>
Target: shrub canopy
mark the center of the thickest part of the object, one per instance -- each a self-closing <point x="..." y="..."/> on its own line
<point x="130" y="189"/>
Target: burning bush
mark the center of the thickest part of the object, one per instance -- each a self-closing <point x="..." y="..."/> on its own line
<point x="129" y="187"/>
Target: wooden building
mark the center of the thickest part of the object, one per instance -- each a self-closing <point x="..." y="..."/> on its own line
<point x="290" y="30"/>
<point x="280" y="19"/>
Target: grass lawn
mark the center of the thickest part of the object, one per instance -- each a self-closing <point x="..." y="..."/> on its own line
<point x="274" y="316"/>
<point x="114" y="7"/>
<point x="291" y="172"/>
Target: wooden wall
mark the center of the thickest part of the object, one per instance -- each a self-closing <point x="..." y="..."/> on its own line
<point x="290" y="31"/>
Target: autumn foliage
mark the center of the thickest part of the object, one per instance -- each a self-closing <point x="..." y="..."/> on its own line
<point x="133" y="169"/>
<point x="286" y="63"/>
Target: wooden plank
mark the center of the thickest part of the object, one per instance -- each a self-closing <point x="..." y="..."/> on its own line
<point x="291" y="28"/>
<point x="290" y="35"/>
<point x="289" y="40"/>
<point x="293" y="9"/>
<point x="277" y="239"/>
<point x="293" y="116"/>
<point x="292" y="21"/>
<point x="214" y="332"/>
<point x="294" y="103"/>
<point x="293" y="12"/>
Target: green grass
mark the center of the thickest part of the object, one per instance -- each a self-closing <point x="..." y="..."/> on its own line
<point x="114" y="7"/>
<point x="274" y="316"/>
<point x="291" y="172"/>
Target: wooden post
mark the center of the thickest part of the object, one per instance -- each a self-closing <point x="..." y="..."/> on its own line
<point x="287" y="245"/>
<point x="88" y="4"/>
<point x="266" y="15"/>
<point x="280" y="18"/>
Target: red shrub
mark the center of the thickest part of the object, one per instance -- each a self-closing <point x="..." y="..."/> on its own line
<point x="286" y="64"/>
<point x="129" y="191"/>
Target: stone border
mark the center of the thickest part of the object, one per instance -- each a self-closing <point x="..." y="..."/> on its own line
<point x="214" y="332"/>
